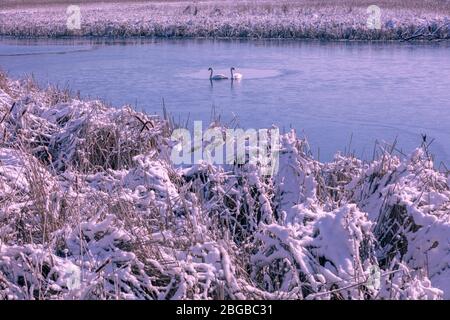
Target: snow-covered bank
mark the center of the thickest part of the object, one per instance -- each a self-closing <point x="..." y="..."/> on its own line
<point x="327" y="20"/>
<point x="92" y="208"/>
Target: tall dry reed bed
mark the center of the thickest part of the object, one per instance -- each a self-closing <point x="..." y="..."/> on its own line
<point x="312" y="19"/>
<point x="92" y="208"/>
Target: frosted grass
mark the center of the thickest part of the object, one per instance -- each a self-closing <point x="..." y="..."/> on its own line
<point x="88" y="191"/>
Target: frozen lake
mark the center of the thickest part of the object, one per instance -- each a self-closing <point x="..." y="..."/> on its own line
<point x="337" y="94"/>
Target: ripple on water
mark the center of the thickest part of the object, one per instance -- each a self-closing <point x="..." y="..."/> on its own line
<point x="247" y="73"/>
<point x="20" y="50"/>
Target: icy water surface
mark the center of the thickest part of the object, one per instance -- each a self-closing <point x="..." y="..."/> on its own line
<point x="340" y="95"/>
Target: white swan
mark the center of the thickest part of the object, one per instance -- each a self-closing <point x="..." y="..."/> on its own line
<point x="235" y="75"/>
<point x="217" y="76"/>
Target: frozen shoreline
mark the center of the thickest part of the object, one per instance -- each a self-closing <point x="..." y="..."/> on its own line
<point x="92" y="208"/>
<point x="226" y="19"/>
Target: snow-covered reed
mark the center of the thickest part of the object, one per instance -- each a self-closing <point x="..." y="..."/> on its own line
<point x="92" y="208"/>
<point x="312" y="19"/>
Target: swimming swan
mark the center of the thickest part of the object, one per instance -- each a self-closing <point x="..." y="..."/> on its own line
<point x="217" y="76"/>
<point x="235" y="76"/>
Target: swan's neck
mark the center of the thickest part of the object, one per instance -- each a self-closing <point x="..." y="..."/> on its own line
<point x="210" y="75"/>
<point x="231" y="72"/>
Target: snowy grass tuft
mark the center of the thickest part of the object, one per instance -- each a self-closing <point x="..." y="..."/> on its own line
<point x="92" y="208"/>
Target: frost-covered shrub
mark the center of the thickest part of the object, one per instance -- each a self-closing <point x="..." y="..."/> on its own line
<point x="410" y="201"/>
<point x="237" y="203"/>
<point x="31" y="272"/>
<point x="327" y="253"/>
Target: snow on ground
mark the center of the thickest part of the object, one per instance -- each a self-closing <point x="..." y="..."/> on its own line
<point x="236" y="19"/>
<point x="92" y="208"/>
